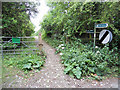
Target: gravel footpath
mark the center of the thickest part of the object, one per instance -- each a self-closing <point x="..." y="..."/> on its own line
<point x="52" y="76"/>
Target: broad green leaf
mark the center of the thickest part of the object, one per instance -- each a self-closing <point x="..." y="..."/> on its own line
<point x="91" y="69"/>
<point x="77" y="72"/>
<point x="27" y="66"/>
<point x="37" y="65"/>
<point x="67" y="69"/>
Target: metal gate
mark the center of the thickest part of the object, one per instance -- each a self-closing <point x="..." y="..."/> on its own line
<point x="18" y="45"/>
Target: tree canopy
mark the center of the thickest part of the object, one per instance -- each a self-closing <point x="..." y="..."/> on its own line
<point x="71" y="18"/>
<point x="16" y="18"/>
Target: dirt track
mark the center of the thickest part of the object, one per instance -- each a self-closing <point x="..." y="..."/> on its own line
<point x="52" y="76"/>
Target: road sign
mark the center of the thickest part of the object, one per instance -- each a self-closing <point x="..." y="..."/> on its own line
<point x="103" y="25"/>
<point x="89" y="31"/>
<point x="110" y="36"/>
<point x="15" y="40"/>
<point x="105" y="36"/>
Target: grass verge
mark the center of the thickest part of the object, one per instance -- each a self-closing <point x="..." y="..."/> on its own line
<point x="24" y="65"/>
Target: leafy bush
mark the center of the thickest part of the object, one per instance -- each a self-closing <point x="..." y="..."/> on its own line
<point x="25" y="62"/>
<point x="17" y="25"/>
<point x="80" y="60"/>
<point x="82" y="63"/>
<point x="53" y="42"/>
<point x="71" y="19"/>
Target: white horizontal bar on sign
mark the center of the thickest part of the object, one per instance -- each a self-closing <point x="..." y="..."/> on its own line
<point x="88" y="32"/>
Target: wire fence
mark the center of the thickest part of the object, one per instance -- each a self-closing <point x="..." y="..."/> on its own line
<point x="18" y="45"/>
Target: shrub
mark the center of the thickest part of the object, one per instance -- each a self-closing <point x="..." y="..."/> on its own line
<point x="79" y="60"/>
<point x="25" y="62"/>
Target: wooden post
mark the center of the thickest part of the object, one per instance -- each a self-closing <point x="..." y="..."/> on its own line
<point x="2" y="52"/>
<point x="40" y="42"/>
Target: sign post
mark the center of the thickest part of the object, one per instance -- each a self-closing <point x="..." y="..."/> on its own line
<point x="103" y="25"/>
<point x="94" y="37"/>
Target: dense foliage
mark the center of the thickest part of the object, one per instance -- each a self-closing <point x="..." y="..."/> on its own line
<point x="25" y="62"/>
<point x="16" y="18"/>
<point x="64" y="25"/>
<point x="80" y="60"/>
<point x="71" y="19"/>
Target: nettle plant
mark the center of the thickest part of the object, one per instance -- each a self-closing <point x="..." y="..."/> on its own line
<point x="79" y="60"/>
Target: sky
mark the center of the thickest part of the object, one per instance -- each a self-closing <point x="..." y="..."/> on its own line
<point x="42" y="10"/>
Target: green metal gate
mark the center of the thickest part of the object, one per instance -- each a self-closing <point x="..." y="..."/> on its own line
<point x="18" y="45"/>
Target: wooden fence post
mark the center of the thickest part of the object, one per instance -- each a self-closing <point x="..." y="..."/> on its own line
<point x="40" y="42"/>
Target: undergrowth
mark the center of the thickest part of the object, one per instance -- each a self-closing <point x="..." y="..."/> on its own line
<point x="25" y="62"/>
<point x="79" y="59"/>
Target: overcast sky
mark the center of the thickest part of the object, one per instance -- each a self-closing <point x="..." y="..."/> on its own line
<point x="42" y="9"/>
